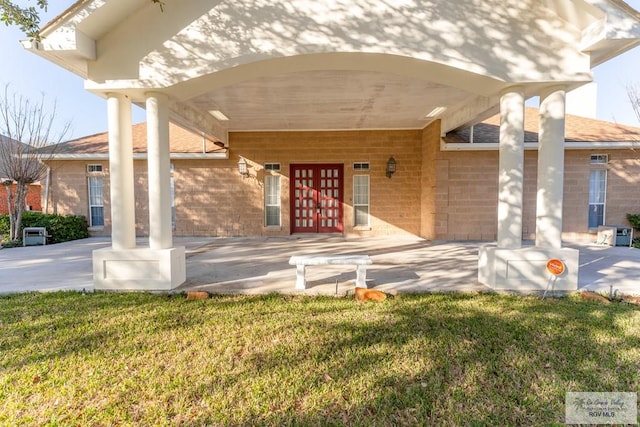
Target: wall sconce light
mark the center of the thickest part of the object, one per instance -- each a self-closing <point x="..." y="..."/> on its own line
<point x="391" y="167"/>
<point x="242" y="168"/>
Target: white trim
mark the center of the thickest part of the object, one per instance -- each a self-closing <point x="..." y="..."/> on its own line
<point x="278" y="180"/>
<point x="368" y="204"/>
<point x="569" y="145"/>
<point x="142" y="156"/>
<point x="604" y="204"/>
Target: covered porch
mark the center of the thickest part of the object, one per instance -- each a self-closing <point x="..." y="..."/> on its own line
<point x="227" y="69"/>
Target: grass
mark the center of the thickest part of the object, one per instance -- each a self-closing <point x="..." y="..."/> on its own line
<point x="455" y="359"/>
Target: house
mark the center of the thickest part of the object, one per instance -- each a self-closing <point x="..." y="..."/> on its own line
<point x="33" y="200"/>
<point x="349" y="118"/>
<point x="209" y="195"/>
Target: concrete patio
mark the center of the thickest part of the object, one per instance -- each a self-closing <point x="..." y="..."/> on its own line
<point x="260" y="265"/>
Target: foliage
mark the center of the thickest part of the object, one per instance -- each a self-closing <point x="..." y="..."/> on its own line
<point x="634" y="220"/>
<point x="28" y="18"/>
<point x="436" y="359"/>
<point x="60" y="228"/>
<point x="636" y="243"/>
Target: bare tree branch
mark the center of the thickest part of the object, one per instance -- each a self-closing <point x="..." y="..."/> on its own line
<point x="633" y="92"/>
<point x="28" y="138"/>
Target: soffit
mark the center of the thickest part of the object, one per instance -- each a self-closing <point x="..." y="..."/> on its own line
<point x="331" y="99"/>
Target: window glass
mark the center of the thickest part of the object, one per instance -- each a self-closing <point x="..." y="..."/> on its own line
<point x="96" y="205"/>
<point x="597" y="197"/>
<point x="361" y="200"/>
<point x="272" y="200"/>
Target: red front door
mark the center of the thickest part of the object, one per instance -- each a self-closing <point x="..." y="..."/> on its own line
<point x="316" y="198"/>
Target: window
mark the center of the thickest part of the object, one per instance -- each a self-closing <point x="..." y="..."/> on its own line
<point x="275" y="167"/>
<point x="597" y="190"/>
<point x="361" y="200"/>
<point x="599" y="159"/>
<point x="94" y="168"/>
<point x="96" y="205"/>
<point x="272" y="200"/>
<point x="361" y="166"/>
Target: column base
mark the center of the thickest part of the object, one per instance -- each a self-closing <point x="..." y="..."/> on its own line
<point x="525" y="269"/>
<point x="139" y="269"/>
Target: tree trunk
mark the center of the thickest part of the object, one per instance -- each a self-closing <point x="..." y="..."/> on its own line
<point x="19" y="206"/>
<point x="10" y="205"/>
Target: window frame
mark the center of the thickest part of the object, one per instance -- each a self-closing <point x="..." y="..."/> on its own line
<point x="269" y="179"/>
<point x="598" y="165"/>
<point x="91" y="197"/>
<point x="356" y="225"/>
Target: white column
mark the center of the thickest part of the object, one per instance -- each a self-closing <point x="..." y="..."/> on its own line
<point x="160" y="234"/>
<point x="550" y="168"/>
<point x="511" y="169"/>
<point x="123" y="224"/>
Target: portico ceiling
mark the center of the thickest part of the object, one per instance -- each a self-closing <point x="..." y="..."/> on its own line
<point x="332" y="99"/>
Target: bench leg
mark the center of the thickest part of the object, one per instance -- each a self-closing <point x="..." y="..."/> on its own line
<point x="301" y="283"/>
<point x="361" y="276"/>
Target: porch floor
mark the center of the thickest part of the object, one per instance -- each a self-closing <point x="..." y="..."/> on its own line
<point x="402" y="264"/>
<point x="244" y="265"/>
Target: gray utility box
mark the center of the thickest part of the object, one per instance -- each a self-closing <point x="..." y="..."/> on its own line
<point x="32" y="236"/>
<point x="615" y="235"/>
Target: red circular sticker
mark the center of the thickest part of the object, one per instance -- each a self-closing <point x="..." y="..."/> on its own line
<point x="555" y="267"/>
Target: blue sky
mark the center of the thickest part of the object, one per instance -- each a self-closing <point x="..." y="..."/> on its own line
<point x="32" y="76"/>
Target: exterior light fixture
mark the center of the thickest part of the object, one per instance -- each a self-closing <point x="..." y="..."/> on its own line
<point x="219" y="115"/>
<point x="391" y="167"/>
<point x="242" y="167"/>
<point x="436" y="112"/>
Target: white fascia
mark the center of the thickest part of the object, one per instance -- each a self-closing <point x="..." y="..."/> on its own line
<point x="143" y="156"/>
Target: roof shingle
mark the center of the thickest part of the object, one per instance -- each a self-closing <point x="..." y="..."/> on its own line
<point x="577" y="129"/>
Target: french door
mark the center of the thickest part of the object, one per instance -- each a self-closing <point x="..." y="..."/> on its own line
<point x="316" y="198"/>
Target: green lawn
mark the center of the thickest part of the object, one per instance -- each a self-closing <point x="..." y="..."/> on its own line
<point x="454" y="359"/>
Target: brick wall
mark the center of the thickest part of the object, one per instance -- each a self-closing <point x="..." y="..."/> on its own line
<point x="33" y="198"/>
<point x="435" y="194"/>
<point x="467" y="190"/>
<point x="238" y="203"/>
<point x="69" y="194"/>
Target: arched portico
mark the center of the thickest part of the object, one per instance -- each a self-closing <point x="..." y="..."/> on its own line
<point x="303" y="65"/>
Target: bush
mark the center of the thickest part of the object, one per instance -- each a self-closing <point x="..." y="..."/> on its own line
<point x="634" y="220"/>
<point x="60" y="228"/>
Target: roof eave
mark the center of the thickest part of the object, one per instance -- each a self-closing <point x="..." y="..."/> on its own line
<point x="140" y="156"/>
<point x="568" y="145"/>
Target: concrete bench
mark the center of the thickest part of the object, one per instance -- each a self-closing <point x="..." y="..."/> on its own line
<point x="301" y="262"/>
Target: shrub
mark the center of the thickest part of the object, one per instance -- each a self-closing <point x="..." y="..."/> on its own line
<point x="60" y="228"/>
<point x="634" y="220"/>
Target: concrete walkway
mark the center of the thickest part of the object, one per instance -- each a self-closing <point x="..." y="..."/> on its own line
<point x="260" y="265"/>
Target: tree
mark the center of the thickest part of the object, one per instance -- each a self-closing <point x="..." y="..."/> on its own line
<point x="28" y="137"/>
<point x="28" y="17"/>
<point x="633" y="91"/>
